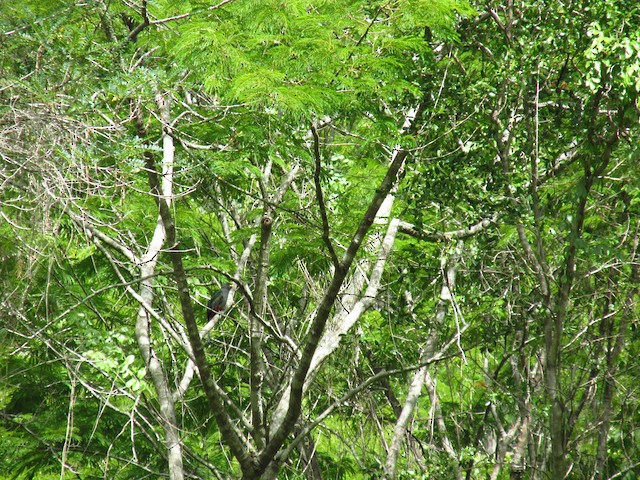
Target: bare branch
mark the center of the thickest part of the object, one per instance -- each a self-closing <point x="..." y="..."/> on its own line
<point x="460" y="234"/>
<point x="320" y="199"/>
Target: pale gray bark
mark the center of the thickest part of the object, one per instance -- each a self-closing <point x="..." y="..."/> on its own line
<point x="155" y="370"/>
<point x="422" y="375"/>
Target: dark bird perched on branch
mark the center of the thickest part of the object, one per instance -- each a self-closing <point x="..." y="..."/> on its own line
<point x="218" y="301"/>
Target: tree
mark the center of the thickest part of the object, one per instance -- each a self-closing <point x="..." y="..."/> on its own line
<point x="406" y="197"/>
<point x="140" y="105"/>
<point x="540" y="145"/>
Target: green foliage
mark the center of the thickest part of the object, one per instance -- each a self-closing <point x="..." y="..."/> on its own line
<point x="80" y="120"/>
<point x="308" y="61"/>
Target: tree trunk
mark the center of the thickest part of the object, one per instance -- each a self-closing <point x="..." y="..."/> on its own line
<point x="168" y="419"/>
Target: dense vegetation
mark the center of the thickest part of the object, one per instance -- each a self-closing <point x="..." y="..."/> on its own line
<point x="428" y="211"/>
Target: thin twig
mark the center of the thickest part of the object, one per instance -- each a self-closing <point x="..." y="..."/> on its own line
<point x="320" y="197"/>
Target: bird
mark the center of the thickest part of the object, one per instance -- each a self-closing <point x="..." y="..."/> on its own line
<point x="218" y="301"/>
